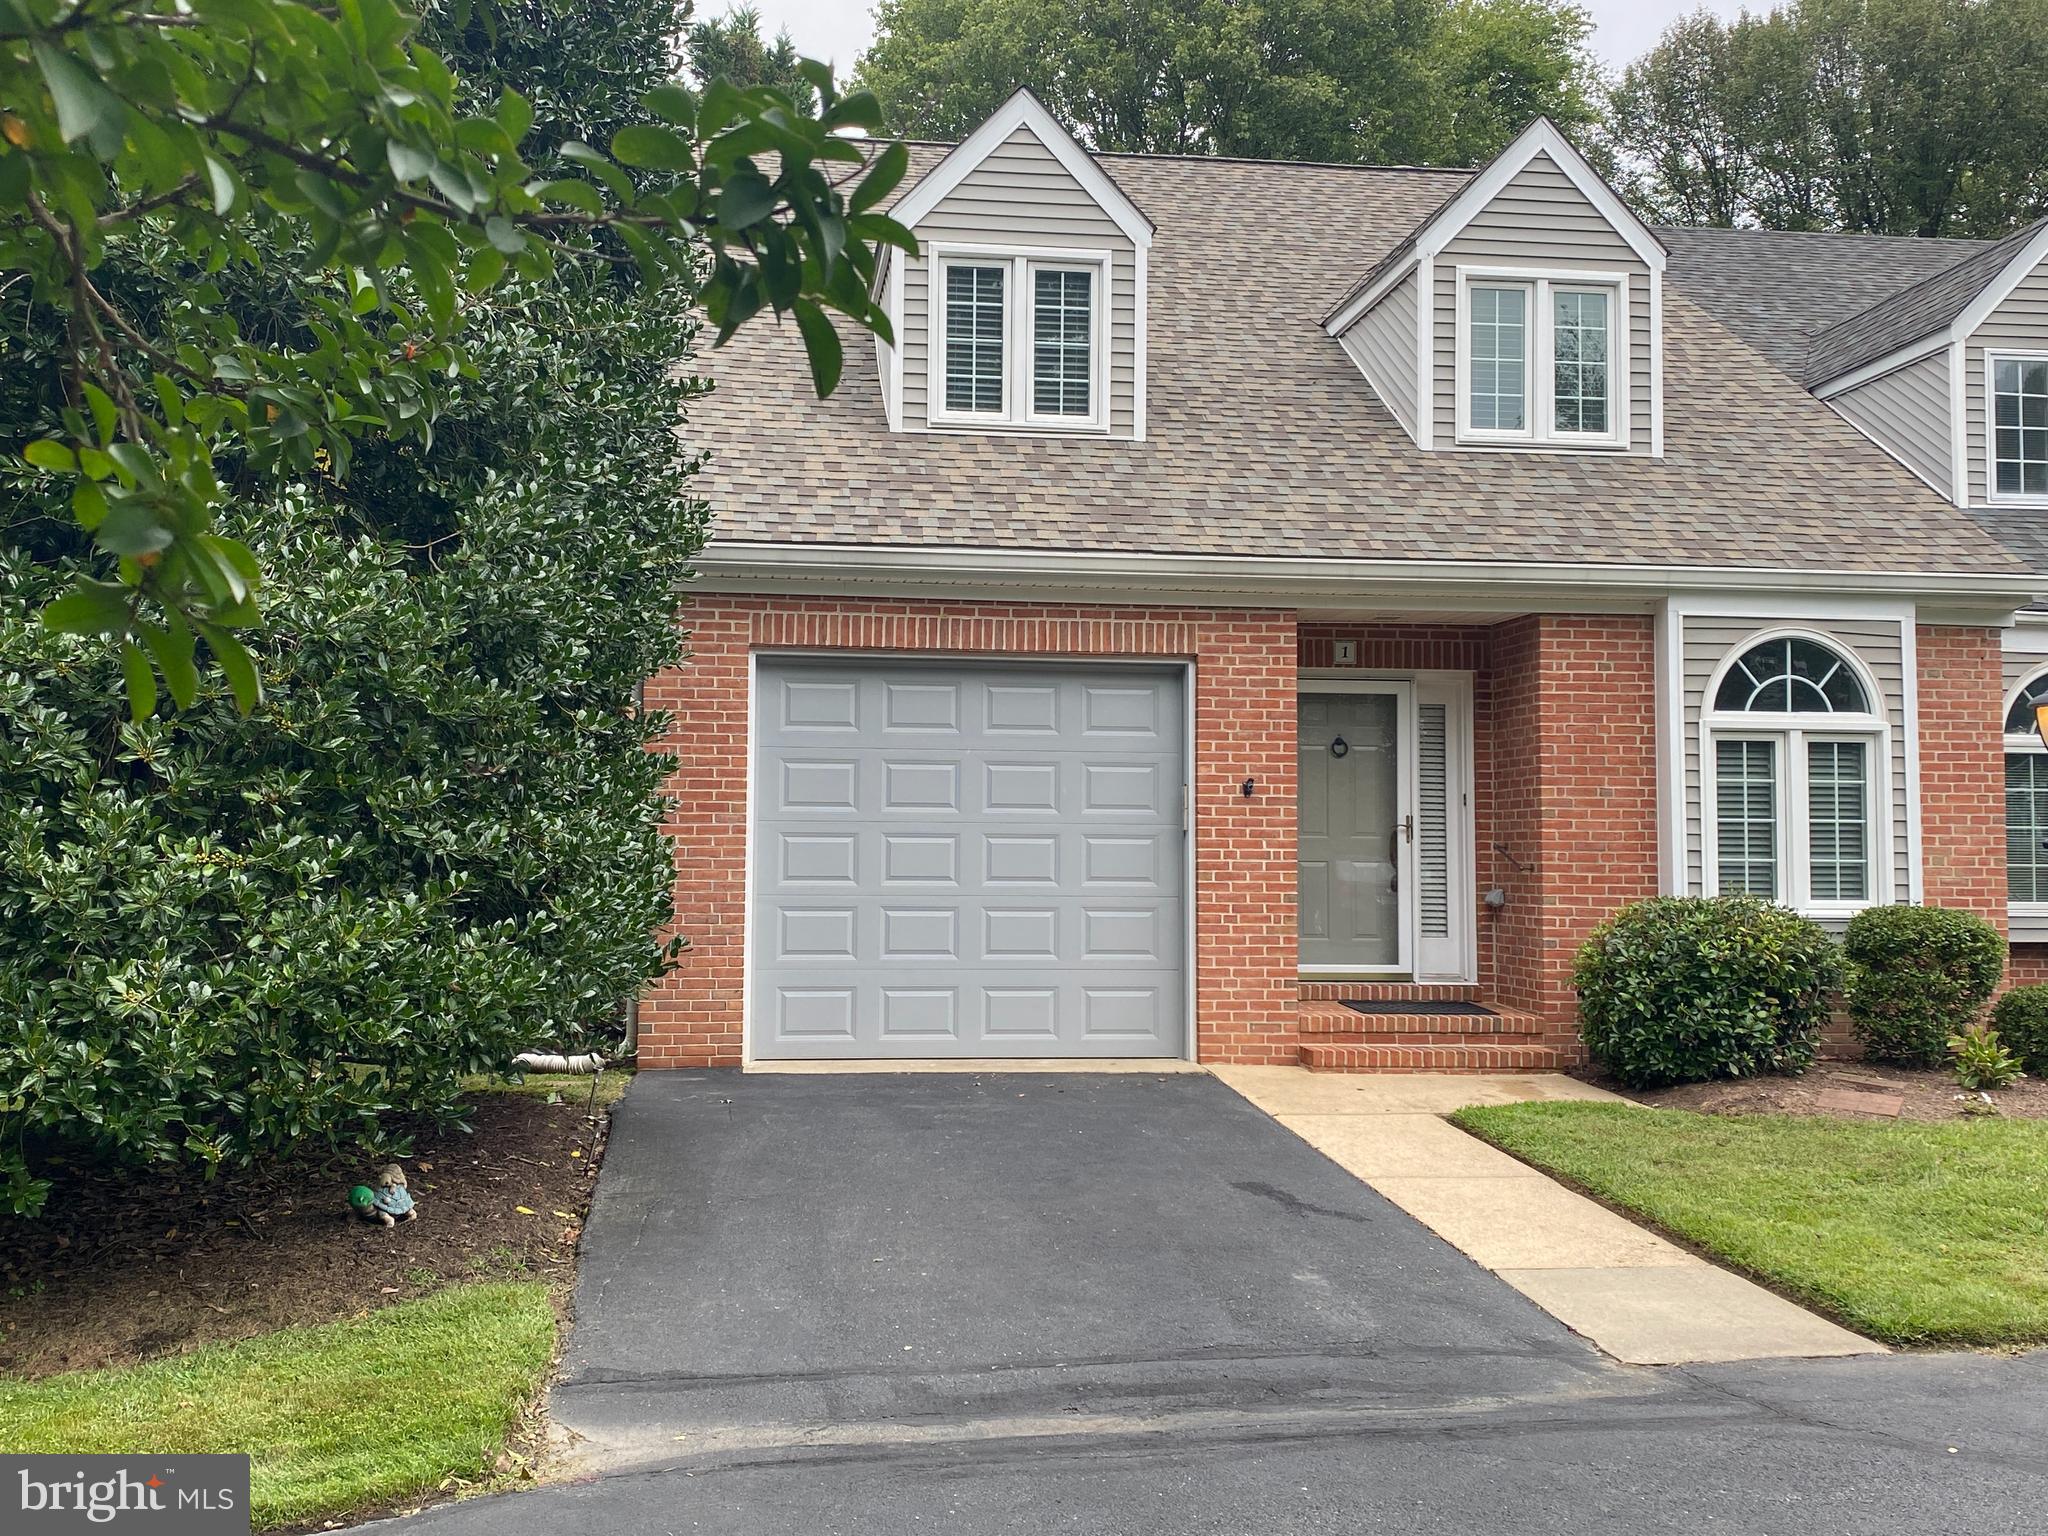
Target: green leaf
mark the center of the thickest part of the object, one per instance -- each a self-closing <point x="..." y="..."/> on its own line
<point x="515" y="114"/>
<point x="83" y="104"/>
<point x="236" y="664"/>
<point x="172" y="648"/>
<point x="672" y="103"/>
<point x="882" y="179"/>
<point x="616" y="181"/>
<point x="746" y="200"/>
<point x="225" y="188"/>
<point x="141" y="682"/>
<point x="104" y="414"/>
<point x="504" y="234"/>
<point x="48" y="453"/>
<point x="821" y="345"/>
<point x="580" y="195"/>
<point x="652" y="147"/>
<point x="131" y="528"/>
<point x="408" y="162"/>
<point x="89" y="608"/>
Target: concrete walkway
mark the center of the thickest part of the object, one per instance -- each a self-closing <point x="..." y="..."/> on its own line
<point x="1642" y="1299"/>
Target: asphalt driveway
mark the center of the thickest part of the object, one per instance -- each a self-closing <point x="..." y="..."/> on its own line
<point x="1135" y="1304"/>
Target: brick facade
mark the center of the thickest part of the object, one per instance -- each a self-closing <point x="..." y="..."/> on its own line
<point x="1244" y="974"/>
<point x="1564" y="773"/>
<point x="1962" y="770"/>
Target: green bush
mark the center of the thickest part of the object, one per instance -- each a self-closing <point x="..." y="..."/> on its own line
<point x="1685" y="989"/>
<point x="1917" y="976"/>
<point x="2021" y="1019"/>
<point x="1980" y="1060"/>
<point x="436" y="843"/>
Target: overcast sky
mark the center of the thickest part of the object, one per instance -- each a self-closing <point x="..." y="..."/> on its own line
<point x="839" y="29"/>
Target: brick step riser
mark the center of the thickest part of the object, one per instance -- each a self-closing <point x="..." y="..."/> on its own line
<point x="1431" y="1058"/>
<point x="1388" y="1038"/>
<point x="1418" y="1024"/>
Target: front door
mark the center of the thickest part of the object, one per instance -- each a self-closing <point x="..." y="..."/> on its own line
<point x="1355" y="828"/>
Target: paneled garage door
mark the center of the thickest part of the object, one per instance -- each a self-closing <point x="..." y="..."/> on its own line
<point x="959" y="859"/>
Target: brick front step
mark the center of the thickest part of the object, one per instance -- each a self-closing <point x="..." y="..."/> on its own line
<point x="1325" y="1018"/>
<point x="1389" y="991"/>
<point x="1318" y="1057"/>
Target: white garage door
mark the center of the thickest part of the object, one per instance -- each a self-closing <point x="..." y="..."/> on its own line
<point x="960" y="859"/>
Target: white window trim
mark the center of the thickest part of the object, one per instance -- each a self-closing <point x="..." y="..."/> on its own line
<point x="2015" y="743"/>
<point x="1792" y="732"/>
<point x="1018" y="301"/>
<point x="1992" y="496"/>
<point x="1538" y="371"/>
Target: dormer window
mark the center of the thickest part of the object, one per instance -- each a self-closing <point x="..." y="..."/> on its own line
<point x="1021" y="340"/>
<point x="977" y="310"/>
<point x="2019" y="446"/>
<point x="1541" y="358"/>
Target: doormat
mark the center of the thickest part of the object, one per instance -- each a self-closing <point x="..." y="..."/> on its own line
<point x="1457" y="1010"/>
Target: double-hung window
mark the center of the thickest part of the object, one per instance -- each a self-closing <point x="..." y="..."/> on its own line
<point x="1793" y="758"/>
<point x="2019" y="427"/>
<point x="1542" y="359"/>
<point x="1019" y="339"/>
<point x="2026" y="801"/>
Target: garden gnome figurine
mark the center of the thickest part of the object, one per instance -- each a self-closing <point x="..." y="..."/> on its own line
<point x="363" y="1201"/>
<point x="393" y="1199"/>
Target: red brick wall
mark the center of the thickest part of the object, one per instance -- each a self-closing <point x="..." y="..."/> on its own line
<point x="1962" y="770"/>
<point x="1245" y="993"/>
<point x="1574" y="792"/>
<point x="2028" y="965"/>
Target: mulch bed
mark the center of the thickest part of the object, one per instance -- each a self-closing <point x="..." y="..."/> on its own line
<point x="1847" y="1090"/>
<point x="128" y="1266"/>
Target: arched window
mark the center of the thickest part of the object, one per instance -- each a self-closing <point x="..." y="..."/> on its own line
<point x="2019" y="720"/>
<point x="1795" y="766"/>
<point x="1791" y="675"/>
<point x="2026" y="798"/>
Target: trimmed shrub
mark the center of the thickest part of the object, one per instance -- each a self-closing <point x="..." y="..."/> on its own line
<point x="1918" y="976"/>
<point x="2021" y="1019"/>
<point x="1980" y="1060"/>
<point x="1686" y="989"/>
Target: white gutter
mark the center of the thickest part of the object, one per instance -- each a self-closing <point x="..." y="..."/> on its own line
<point x="729" y="565"/>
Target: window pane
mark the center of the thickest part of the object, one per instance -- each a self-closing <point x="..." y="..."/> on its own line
<point x="1838" y="820"/>
<point x="2019" y="720"/>
<point x="1500" y="349"/>
<point x="1062" y="343"/>
<point x="974" y="338"/>
<point x="2019" y="442"/>
<point x="1746" y="817"/>
<point x="1579" y="367"/>
<point x="1792" y="674"/>
<point x="2026" y="825"/>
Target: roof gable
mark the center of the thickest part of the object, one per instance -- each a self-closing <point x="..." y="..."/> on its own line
<point x="1541" y="140"/>
<point x="1023" y="111"/>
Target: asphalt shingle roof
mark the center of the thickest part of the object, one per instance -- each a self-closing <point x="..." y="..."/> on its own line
<point x="1264" y="440"/>
<point x="1921" y="310"/>
<point x="1779" y="289"/>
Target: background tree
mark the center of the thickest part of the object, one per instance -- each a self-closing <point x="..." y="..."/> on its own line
<point x="436" y="841"/>
<point x="238" y="136"/>
<point x="1430" y="81"/>
<point x="1908" y="117"/>
<point x="732" y="46"/>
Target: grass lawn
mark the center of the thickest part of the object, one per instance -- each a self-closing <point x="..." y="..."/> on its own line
<point x="337" y="1418"/>
<point x="1910" y="1233"/>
